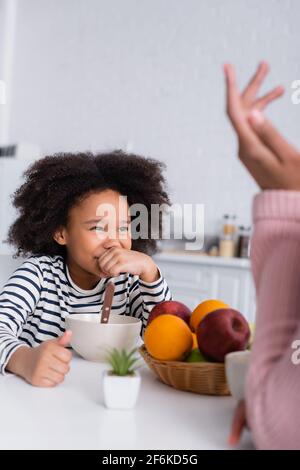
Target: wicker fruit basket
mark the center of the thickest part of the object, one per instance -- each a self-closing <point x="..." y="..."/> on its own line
<point x="206" y="378"/>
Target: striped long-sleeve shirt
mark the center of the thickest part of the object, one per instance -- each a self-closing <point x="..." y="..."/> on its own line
<point x="39" y="295"/>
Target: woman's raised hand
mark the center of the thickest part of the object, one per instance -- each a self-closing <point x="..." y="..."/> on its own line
<point x="272" y="161"/>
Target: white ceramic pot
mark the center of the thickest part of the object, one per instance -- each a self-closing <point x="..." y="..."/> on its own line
<point x="120" y="392"/>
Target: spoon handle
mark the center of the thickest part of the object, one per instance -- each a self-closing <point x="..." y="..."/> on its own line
<point x="108" y="298"/>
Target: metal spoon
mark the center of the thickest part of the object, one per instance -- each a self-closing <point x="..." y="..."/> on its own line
<point x="108" y="298"/>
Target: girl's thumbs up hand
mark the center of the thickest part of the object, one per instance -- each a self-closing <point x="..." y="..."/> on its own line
<point x="45" y="365"/>
<point x="65" y="339"/>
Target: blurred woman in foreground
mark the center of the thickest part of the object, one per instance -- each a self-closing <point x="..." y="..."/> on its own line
<point x="272" y="390"/>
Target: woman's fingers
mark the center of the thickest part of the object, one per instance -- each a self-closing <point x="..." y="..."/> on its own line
<point x="238" y="423"/>
<point x="232" y="93"/>
<point x="262" y="149"/>
<point x="250" y="92"/>
<point x="235" y="110"/>
<point x="270" y="137"/>
<point x="262" y="102"/>
<point x="258" y="159"/>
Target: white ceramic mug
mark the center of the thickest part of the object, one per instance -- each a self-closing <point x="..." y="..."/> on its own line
<point x="236" y="368"/>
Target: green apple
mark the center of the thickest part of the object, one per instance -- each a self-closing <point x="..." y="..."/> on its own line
<point x="195" y="356"/>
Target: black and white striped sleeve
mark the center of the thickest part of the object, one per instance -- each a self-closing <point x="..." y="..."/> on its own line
<point x="143" y="296"/>
<point x="18" y="300"/>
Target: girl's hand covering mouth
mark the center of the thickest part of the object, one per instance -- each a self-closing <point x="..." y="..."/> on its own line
<point x="115" y="261"/>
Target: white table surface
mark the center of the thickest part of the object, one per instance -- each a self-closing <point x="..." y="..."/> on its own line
<point x="73" y="416"/>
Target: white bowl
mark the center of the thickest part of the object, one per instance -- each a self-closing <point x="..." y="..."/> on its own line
<point x="92" y="339"/>
<point x="236" y="368"/>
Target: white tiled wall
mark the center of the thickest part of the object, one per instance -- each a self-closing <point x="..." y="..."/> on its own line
<point x="11" y="171"/>
<point x="7" y="266"/>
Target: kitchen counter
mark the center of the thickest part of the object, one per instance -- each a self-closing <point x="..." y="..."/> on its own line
<point x="194" y="277"/>
<point x="72" y="415"/>
<point x="202" y="259"/>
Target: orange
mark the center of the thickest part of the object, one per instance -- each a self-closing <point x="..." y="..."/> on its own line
<point x="195" y="341"/>
<point x="168" y="338"/>
<point x="203" y="309"/>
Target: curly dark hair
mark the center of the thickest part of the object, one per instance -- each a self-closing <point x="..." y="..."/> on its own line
<point x="54" y="184"/>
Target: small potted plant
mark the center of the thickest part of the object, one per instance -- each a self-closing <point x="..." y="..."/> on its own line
<point x="121" y="383"/>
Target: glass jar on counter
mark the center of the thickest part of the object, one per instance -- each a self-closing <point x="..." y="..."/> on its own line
<point x="243" y="246"/>
<point x="227" y="242"/>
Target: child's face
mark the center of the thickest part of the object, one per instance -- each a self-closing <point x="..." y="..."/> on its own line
<point x="88" y="235"/>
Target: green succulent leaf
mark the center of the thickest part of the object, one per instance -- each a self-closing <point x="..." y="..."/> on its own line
<point x="123" y="362"/>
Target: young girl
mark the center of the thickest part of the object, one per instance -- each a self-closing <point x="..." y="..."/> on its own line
<point x="74" y="251"/>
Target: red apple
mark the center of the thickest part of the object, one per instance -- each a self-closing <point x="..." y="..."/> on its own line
<point x="170" y="307"/>
<point x="223" y="331"/>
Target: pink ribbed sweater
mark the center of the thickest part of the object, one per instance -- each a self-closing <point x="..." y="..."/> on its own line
<point x="273" y="382"/>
